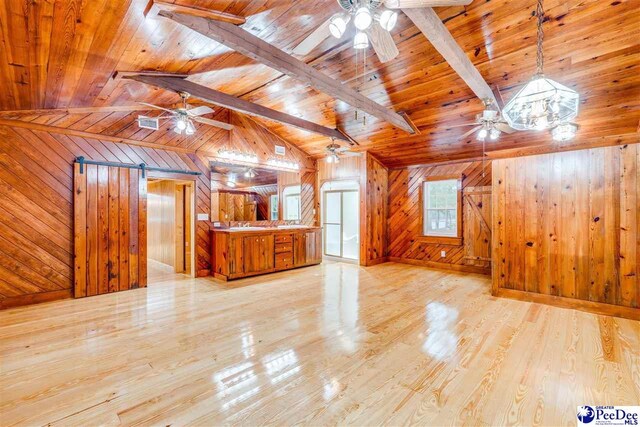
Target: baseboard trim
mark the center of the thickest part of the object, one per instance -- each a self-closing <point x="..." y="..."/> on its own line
<point x="442" y="265"/>
<point x="576" y="304"/>
<point x="372" y="262"/>
<point x="40" y="297"/>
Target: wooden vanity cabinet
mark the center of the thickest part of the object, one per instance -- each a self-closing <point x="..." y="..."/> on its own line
<point x="307" y="248"/>
<point x="258" y="253"/>
<point x="239" y="253"/>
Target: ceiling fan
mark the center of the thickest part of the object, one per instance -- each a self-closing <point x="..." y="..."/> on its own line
<point x="184" y="116"/>
<point x="489" y="123"/>
<point x="372" y="21"/>
<point x="334" y="152"/>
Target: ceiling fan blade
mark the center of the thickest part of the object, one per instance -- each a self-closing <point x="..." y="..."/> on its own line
<point x="407" y="4"/>
<point x="471" y="132"/>
<point x="157" y="107"/>
<point x="503" y="127"/>
<point x="313" y="39"/>
<point x="210" y="122"/>
<point x="200" y="111"/>
<point x="463" y="125"/>
<point x="382" y="43"/>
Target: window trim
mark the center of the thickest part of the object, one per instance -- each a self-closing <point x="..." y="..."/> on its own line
<point x="442" y="240"/>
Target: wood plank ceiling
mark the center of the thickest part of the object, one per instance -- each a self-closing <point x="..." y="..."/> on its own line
<point x="61" y="54"/>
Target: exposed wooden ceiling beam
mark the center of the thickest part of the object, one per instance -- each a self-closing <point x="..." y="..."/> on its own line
<point x="155" y="6"/>
<point x="430" y="24"/>
<point x="257" y="49"/>
<point x="178" y="84"/>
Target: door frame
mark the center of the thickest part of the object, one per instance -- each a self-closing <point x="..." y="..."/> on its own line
<point x="324" y="230"/>
<point x="188" y="180"/>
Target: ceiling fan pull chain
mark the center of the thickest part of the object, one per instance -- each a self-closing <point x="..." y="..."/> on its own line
<point x="540" y="53"/>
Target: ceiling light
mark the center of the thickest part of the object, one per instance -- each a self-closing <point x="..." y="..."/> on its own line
<point x="283" y="164"/>
<point x="338" y="25"/>
<point x="388" y="19"/>
<point x="542" y="103"/>
<point x="250" y="173"/>
<point x="362" y="19"/>
<point x="482" y="134"/>
<point x="190" y="130"/>
<point x="494" y="134"/>
<point x="181" y="123"/>
<point x="332" y="158"/>
<point x="360" y="41"/>
<point x="564" y="132"/>
<point x="235" y="155"/>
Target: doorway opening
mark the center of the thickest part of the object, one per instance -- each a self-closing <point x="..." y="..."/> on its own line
<point x="170" y="229"/>
<point x="340" y="213"/>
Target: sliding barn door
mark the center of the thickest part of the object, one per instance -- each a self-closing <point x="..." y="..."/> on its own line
<point x="110" y="229"/>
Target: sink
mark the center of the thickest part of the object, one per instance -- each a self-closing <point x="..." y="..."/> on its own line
<point x="292" y="226"/>
<point x="246" y="228"/>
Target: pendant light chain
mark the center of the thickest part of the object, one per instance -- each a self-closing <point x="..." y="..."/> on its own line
<point x="540" y="53"/>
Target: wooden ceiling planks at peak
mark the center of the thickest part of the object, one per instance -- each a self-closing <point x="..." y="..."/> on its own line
<point x="61" y="54"/>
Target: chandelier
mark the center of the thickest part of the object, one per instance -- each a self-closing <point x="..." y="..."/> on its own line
<point x="363" y="18"/>
<point x="542" y="103"/>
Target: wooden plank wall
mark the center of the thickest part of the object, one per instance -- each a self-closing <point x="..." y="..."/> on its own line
<point x="405" y="210"/>
<point x="308" y="195"/>
<point x="567" y="226"/>
<point x="161" y="217"/>
<point x="372" y="177"/>
<point x="36" y="207"/>
<point x="373" y="237"/>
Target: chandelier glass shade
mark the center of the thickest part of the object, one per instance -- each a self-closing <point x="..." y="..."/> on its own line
<point x="360" y="41"/>
<point x="541" y="104"/>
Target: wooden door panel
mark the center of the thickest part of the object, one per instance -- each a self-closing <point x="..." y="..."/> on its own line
<point x="109" y="229"/>
<point x="477" y="230"/>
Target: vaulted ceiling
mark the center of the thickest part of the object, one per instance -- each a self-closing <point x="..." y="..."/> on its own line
<point x="62" y="54"/>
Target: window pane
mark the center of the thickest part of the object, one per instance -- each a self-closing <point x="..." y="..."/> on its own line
<point x="440" y="208"/>
<point x="332" y="240"/>
<point x="350" y="228"/>
<point x="332" y="208"/>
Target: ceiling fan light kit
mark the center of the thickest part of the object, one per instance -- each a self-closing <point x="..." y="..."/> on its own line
<point x="564" y="132"/>
<point x="362" y="19"/>
<point x="388" y="19"/>
<point x="360" y="41"/>
<point x="338" y="24"/>
<point x="543" y="103"/>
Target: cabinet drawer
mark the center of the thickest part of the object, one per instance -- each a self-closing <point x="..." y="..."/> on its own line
<point x="284" y="247"/>
<point x="284" y="260"/>
<point x="284" y="238"/>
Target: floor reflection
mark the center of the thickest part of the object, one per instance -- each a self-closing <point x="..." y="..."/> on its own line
<point x="441" y="339"/>
<point x="341" y="307"/>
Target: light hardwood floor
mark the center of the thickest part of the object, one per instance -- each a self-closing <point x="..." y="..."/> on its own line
<point x="333" y="344"/>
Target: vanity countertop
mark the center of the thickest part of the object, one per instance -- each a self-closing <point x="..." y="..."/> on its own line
<point x="264" y="230"/>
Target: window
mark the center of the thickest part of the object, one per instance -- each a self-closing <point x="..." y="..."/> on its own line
<point x="291" y="203"/>
<point x="441" y="208"/>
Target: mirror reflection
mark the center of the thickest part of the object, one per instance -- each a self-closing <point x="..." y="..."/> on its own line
<point x="247" y="193"/>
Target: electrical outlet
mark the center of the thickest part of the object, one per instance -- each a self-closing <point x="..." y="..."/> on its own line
<point x="443" y="254"/>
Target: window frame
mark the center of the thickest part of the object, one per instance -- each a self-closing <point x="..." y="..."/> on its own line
<point x="440" y="239"/>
